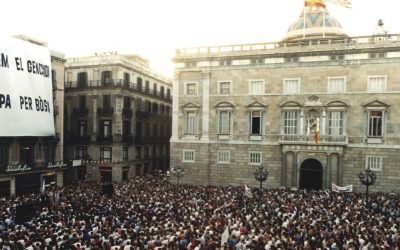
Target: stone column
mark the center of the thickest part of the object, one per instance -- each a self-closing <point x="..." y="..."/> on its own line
<point x="328" y="171"/>
<point x="206" y="106"/>
<point x="340" y="170"/>
<point x="294" y="170"/>
<point x="175" y="109"/>
<point x="283" y="170"/>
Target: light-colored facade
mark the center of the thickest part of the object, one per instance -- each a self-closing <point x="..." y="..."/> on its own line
<point x="315" y="108"/>
<point x="43" y="155"/>
<point x="118" y="117"/>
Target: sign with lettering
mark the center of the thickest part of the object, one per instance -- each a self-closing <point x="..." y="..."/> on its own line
<point x="57" y="164"/>
<point x="26" y="91"/>
<point x="17" y="168"/>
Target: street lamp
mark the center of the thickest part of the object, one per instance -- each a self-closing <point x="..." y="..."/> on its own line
<point x="261" y="175"/>
<point x="367" y="179"/>
<point x="161" y="175"/>
<point x="178" y="172"/>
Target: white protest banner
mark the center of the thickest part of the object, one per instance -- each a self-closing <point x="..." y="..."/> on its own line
<point x="346" y="189"/>
<point x="26" y="97"/>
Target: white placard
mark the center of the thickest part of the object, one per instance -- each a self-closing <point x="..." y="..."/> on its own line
<point x="26" y="97"/>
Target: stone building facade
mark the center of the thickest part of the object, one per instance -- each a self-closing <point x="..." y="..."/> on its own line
<point x="118" y="117"/>
<point x="314" y="109"/>
<point x="43" y="156"/>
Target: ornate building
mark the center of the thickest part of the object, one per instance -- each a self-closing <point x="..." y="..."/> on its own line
<point x="26" y="163"/>
<point x="316" y="108"/>
<point x="118" y="117"/>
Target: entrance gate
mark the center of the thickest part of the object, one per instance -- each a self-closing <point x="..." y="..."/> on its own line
<point x="311" y="173"/>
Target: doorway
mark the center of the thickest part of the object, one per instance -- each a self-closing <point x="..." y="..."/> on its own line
<point x="311" y="171"/>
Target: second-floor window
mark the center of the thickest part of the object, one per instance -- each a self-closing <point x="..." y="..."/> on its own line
<point x="376" y="83"/>
<point x="105" y="128"/>
<point x="256" y="87"/>
<point x="82" y="127"/>
<point x="190" y="123"/>
<point x="256" y="122"/>
<point x="336" y="84"/>
<point x="374" y="163"/>
<point x="224" y="87"/>
<point x="81" y="152"/>
<point x="106" y="153"/>
<point x="375" y="123"/>
<point x="335" y="123"/>
<point x="290" y="122"/>
<point x="82" y="79"/>
<point x="224" y="122"/>
<point x="106" y="77"/>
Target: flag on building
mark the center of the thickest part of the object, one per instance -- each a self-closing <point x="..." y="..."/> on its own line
<point x="316" y="133"/>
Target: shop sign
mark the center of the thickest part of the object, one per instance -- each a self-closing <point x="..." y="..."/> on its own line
<point x="57" y="164"/>
<point x="17" y="168"/>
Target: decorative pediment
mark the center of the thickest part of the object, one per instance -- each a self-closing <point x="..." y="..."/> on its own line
<point x="225" y="105"/>
<point x="313" y="101"/>
<point x="190" y="105"/>
<point x="256" y="105"/>
<point x="337" y="103"/>
<point x="291" y="104"/>
<point x="375" y="103"/>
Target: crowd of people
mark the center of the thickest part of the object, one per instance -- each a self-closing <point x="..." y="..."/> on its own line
<point x="148" y="213"/>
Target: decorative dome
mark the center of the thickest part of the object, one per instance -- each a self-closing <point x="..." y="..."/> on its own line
<point x="314" y="22"/>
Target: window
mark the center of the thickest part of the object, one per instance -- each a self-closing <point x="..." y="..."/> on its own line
<point x="146" y="152"/>
<point x="154" y="150"/>
<point x="82" y="128"/>
<point x="155" y="108"/>
<point x="336" y="84"/>
<point x="82" y="101"/>
<point x="127" y="78"/>
<point x="190" y="122"/>
<point x="27" y="155"/>
<point x="254" y="158"/>
<point x="106" y="78"/>
<point x="138" y="129"/>
<point x="126" y="127"/>
<point x="148" y="106"/>
<point x="224" y="122"/>
<point x="291" y="86"/>
<point x="139" y="83"/>
<point x="139" y="104"/>
<point x="105" y="128"/>
<point x="3" y="155"/>
<point x="191" y="88"/>
<point x="127" y="102"/>
<point x="223" y="157"/>
<point x="147" y="128"/>
<point x="162" y="91"/>
<point x="375" y="119"/>
<point x="138" y="153"/>
<point x="168" y="92"/>
<point x="374" y="163"/>
<point x="188" y="155"/>
<point x="82" y="79"/>
<point x="125" y="154"/>
<point x="376" y="83"/>
<point x="81" y="152"/>
<point x="290" y="122"/>
<point x="225" y="87"/>
<point x="155" y="129"/>
<point x="335" y="122"/>
<point x="106" y="101"/>
<point x="155" y="88"/>
<point x="147" y="88"/>
<point x="49" y="150"/>
<point x="162" y="109"/>
<point x="256" y="87"/>
<point x="256" y="122"/>
<point x="105" y="153"/>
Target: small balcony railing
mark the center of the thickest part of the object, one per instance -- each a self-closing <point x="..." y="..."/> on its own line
<point x="341" y="139"/>
<point x="81" y="111"/>
<point x="105" y="111"/>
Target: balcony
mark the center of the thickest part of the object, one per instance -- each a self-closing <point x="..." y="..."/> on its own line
<point x="322" y="139"/>
<point x="80" y="139"/>
<point x="152" y="139"/>
<point x="127" y="138"/>
<point x="118" y="83"/>
<point x="81" y="111"/>
<point x="104" y="139"/>
<point x="127" y="112"/>
<point x="105" y="111"/>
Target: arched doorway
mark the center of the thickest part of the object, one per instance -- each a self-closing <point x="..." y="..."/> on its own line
<point x="311" y="174"/>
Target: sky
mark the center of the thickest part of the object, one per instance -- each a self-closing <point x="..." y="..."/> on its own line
<point x="155" y="28"/>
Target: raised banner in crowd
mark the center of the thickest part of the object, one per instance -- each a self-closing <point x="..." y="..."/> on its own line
<point x="26" y="97"/>
<point x="346" y="189"/>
